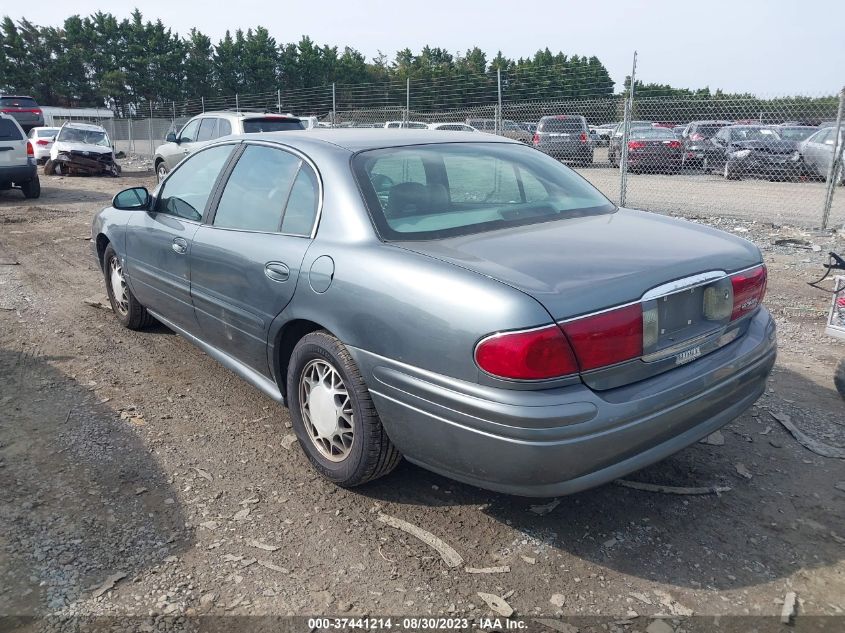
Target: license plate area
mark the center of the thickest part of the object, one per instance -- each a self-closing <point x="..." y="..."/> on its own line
<point x="675" y="322"/>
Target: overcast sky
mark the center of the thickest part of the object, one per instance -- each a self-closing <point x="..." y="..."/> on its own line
<point x="770" y="48"/>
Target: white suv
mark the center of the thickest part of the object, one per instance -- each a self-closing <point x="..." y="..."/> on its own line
<point x="17" y="160"/>
<point x="208" y="126"/>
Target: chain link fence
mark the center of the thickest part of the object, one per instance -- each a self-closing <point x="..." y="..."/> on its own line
<point x="776" y="159"/>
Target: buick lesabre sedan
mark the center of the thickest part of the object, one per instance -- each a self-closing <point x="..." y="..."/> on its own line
<point x="464" y="301"/>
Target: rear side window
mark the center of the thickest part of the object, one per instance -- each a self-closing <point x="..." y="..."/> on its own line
<point x="224" y="128"/>
<point x="206" y="131"/>
<point x="18" y="102"/>
<point x="256" y="192"/>
<point x="301" y="209"/>
<point x="271" y="124"/>
<point x="562" y="125"/>
<point x="9" y="131"/>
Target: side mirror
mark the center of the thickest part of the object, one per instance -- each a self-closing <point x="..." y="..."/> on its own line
<point x="134" y="199"/>
<point x="171" y="137"/>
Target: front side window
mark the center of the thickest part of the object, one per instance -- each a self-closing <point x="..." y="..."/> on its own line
<point x="186" y="192"/>
<point x="224" y="128"/>
<point x="440" y="190"/>
<point x="258" y="189"/>
<point x="189" y="132"/>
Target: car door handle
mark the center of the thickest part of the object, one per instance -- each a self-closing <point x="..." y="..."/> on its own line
<point x="180" y="245"/>
<point x="277" y="271"/>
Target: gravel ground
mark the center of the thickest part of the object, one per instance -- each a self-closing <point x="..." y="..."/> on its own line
<point x="139" y="477"/>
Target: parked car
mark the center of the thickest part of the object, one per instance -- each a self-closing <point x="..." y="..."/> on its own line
<point x="565" y="136"/>
<point x="309" y="122"/>
<point x="510" y="129"/>
<point x="409" y="125"/>
<point x="797" y="134"/>
<point x="42" y="139"/>
<point x="82" y="149"/>
<point x="452" y="127"/>
<point x="678" y="131"/>
<point x="754" y="150"/>
<point x="698" y="149"/>
<point x="17" y="159"/>
<point x="461" y="300"/>
<point x="24" y="109"/>
<point x="208" y="126"/>
<point x="817" y="153"/>
<point x="528" y="126"/>
<point x="654" y="149"/>
<point x="614" y="146"/>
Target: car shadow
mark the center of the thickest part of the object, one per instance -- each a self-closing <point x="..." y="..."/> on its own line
<point x="81" y="497"/>
<point x="762" y="529"/>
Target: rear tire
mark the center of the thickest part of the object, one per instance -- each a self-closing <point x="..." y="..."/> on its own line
<point x="32" y="189"/>
<point x="730" y="173"/>
<point x="333" y="414"/>
<point x="126" y="308"/>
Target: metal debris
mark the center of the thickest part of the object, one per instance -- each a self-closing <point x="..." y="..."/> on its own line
<point x="446" y="551"/>
<point x="264" y="546"/>
<point x="742" y="471"/>
<point x="672" y="490"/>
<point x="497" y="604"/>
<point x="488" y="570"/>
<point x="790" y="602"/>
<point x="819" y="448"/>
<point x="544" y="508"/>
<point x="108" y="584"/>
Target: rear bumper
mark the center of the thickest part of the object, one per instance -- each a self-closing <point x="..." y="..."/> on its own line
<point x="560" y="441"/>
<point x="18" y="173"/>
<point x="566" y="150"/>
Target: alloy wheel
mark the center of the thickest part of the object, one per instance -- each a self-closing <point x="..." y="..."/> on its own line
<point x="118" y="285"/>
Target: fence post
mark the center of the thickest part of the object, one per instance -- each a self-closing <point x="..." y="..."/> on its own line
<point x="835" y="163"/>
<point x="626" y="131"/>
<point x="173" y="112"/>
<point x="150" y="127"/>
<point x="237" y="103"/>
<point x="408" y="100"/>
<point x="202" y="100"/>
<point x="279" y="100"/>
<point x="334" y="105"/>
<point x="497" y="124"/>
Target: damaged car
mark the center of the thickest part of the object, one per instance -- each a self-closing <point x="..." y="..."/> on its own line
<point x="82" y="149"/>
<point x="755" y="151"/>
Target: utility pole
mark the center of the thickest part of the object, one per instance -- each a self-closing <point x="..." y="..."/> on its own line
<point x="626" y="132"/>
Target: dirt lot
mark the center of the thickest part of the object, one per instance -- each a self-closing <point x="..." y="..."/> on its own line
<point x="132" y="459"/>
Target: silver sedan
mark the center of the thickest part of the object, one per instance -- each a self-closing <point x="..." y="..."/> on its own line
<point x="458" y="299"/>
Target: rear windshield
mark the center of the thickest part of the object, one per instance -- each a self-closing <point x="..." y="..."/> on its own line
<point x="441" y="190"/>
<point x="18" y="102"/>
<point x="796" y="133"/>
<point x="708" y="130"/>
<point x="652" y="132"/>
<point x="47" y="133"/>
<point x="9" y="131"/>
<point x="271" y="124"/>
<point x="753" y="134"/>
<point x="561" y="125"/>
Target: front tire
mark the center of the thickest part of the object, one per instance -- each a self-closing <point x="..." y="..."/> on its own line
<point x="839" y="378"/>
<point x="126" y="308"/>
<point x="730" y="173"/>
<point x="161" y="170"/>
<point x="333" y="414"/>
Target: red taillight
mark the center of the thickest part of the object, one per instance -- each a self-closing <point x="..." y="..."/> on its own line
<point x="635" y="144"/>
<point x="536" y="139"/>
<point x="29" y="150"/>
<point x="583" y="137"/>
<point x="749" y="289"/>
<point x="607" y="338"/>
<point x="42" y="141"/>
<point x="674" y="144"/>
<point x="696" y="137"/>
<point x="527" y="355"/>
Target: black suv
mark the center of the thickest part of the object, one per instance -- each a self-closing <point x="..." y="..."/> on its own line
<point x="698" y="146"/>
<point x="24" y="109"/>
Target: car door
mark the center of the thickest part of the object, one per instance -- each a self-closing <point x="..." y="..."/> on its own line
<point x="186" y="141"/>
<point x="721" y="145"/>
<point x="158" y="242"/>
<point x="246" y="258"/>
<point x="812" y="149"/>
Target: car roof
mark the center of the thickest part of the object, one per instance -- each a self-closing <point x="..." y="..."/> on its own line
<point x="360" y="139"/>
<point x="247" y="114"/>
<point x="84" y="126"/>
<point x="16" y="97"/>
